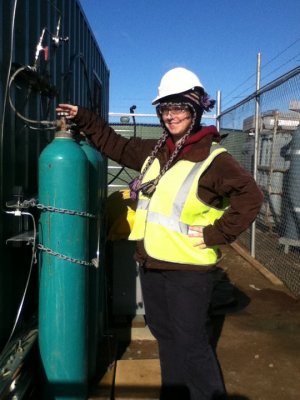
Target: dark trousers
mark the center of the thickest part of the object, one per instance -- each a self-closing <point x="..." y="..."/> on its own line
<point x="176" y="306"/>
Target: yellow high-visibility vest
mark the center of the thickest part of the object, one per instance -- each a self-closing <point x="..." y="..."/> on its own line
<point x="164" y="219"/>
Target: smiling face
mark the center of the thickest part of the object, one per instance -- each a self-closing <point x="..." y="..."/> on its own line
<point x="177" y="119"/>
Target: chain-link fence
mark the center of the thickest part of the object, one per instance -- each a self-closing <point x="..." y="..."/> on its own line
<point x="263" y="133"/>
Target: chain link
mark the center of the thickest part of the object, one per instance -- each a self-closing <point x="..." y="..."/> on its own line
<point x="32" y="203"/>
<point x="63" y="257"/>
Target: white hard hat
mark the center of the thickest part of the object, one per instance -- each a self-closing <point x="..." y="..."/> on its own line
<point x="175" y="81"/>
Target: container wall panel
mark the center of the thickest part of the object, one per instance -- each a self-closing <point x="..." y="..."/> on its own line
<point x="67" y="72"/>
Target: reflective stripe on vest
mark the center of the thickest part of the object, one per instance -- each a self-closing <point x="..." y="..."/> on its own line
<point x="173" y="221"/>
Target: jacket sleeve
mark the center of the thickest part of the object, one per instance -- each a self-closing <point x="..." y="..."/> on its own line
<point x="130" y="153"/>
<point x="228" y="179"/>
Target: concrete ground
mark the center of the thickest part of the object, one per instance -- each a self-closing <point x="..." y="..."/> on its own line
<point x="257" y="338"/>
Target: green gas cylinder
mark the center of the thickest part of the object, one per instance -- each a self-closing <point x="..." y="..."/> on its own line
<point x="63" y="266"/>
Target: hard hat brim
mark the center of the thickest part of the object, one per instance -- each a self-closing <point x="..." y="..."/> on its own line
<point x="165" y="96"/>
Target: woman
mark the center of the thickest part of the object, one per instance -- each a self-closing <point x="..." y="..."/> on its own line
<point x="192" y="197"/>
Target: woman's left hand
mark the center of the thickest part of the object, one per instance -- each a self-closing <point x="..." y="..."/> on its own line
<point x="69" y="109"/>
<point x="197" y="231"/>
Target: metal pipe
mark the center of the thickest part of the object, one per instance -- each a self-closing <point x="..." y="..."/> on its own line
<point x="218" y="110"/>
<point x="115" y="114"/>
<point x="256" y="144"/>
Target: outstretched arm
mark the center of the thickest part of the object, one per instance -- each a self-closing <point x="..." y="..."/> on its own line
<point x="128" y="152"/>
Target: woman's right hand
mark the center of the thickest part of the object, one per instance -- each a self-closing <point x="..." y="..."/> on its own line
<point x="69" y="109"/>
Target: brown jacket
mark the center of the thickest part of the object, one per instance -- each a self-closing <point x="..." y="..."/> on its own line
<point x="224" y="178"/>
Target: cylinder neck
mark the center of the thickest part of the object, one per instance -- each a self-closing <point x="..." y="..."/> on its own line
<point x="63" y="131"/>
<point x="63" y="134"/>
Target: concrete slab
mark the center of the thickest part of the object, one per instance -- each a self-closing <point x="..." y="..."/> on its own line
<point x="137" y="379"/>
<point x="134" y="333"/>
<point x="141" y="334"/>
<point x="104" y="389"/>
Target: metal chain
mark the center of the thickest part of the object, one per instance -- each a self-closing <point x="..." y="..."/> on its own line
<point x="32" y="203"/>
<point x="65" y="211"/>
<point x="63" y="257"/>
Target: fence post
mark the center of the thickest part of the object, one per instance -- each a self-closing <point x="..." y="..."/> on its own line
<point x="218" y="110"/>
<point x="256" y="143"/>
